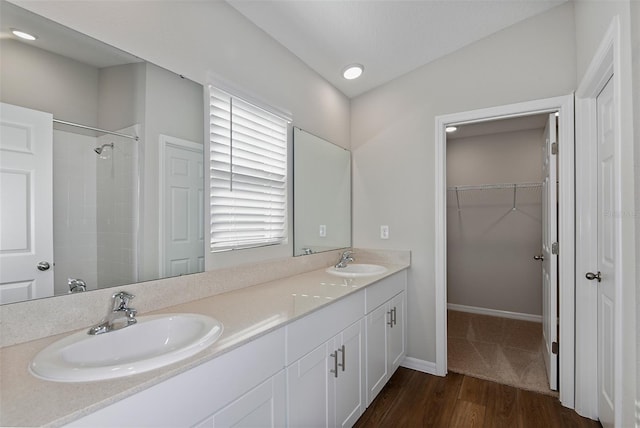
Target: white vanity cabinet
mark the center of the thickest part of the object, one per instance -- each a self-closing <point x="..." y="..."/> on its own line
<point x="325" y="387"/>
<point x="322" y="369"/>
<point x="385" y="332"/>
<point x="325" y="384"/>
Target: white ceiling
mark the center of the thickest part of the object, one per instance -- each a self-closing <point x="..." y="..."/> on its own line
<point x="388" y="37"/>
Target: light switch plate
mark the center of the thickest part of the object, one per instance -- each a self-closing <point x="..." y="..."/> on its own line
<point x="384" y="232"/>
<point x="323" y="230"/>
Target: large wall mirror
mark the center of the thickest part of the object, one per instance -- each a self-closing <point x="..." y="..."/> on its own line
<point x="112" y="192"/>
<point x="321" y="194"/>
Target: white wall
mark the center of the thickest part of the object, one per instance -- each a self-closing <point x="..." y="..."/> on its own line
<point x="74" y="210"/>
<point x="173" y="106"/>
<point x="592" y="19"/>
<point x="490" y="246"/>
<point x="37" y="79"/>
<point x="392" y="138"/>
<point x="202" y="39"/>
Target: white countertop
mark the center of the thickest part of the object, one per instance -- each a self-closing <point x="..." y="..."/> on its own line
<point x="246" y="314"/>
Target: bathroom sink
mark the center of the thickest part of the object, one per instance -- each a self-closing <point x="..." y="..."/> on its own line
<point x="357" y="270"/>
<point x="154" y="341"/>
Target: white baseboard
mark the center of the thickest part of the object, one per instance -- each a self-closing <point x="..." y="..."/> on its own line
<point x="420" y="365"/>
<point x="495" y="312"/>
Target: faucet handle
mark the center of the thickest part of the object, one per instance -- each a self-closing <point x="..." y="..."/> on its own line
<point x="121" y="300"/>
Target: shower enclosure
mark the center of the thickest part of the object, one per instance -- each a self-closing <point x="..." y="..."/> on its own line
<point x="95" y="208"/>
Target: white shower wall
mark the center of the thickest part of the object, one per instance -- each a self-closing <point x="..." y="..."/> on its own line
<point x="74" y="209"/>
<point x="117" y="210"/>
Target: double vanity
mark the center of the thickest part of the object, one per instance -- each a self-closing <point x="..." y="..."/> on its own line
<point x="314" y="348"/>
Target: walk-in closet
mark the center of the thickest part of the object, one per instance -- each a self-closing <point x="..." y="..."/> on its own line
<point x="495" y="225"/>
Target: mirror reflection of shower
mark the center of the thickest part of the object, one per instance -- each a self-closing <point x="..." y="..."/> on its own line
<point x="100" y="150"/>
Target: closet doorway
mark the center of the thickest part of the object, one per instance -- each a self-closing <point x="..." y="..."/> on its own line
<point x="564" y="105"/>
<point x="497" y="175"/>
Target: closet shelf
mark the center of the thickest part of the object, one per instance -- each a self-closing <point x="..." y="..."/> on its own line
<point x="506" y="186"/>
<point x="496" y="186"/>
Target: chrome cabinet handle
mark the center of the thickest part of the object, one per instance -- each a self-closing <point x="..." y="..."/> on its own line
<point x="393" y="316"/>
<point x="540" y="257"/>
<point x="591" y="276"/>
<point x="43" y="266"/>
<point x="335" y="364"/>
<point x="390" y="322"/>
<point x="343" y="357"/>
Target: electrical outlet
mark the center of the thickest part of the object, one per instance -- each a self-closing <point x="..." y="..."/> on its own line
<point x="384" y="232"/>
<point x="323" y="230"/>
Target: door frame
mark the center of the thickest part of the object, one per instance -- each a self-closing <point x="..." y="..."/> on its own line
<point x="566" y="222"/>
<point x="604" y="65"/>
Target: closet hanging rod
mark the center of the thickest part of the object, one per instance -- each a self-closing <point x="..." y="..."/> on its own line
<point x="496" y="186"/>
<point x="91" y="128"/>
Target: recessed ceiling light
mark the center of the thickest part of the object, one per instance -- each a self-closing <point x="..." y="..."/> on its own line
<point x="451" y="128"/>
<point x="353" y="71"/>
<point x="23" y="35"/>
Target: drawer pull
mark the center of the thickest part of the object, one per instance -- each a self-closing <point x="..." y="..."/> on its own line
<point x="335" y="364"/>
<point x="343" y="357"/>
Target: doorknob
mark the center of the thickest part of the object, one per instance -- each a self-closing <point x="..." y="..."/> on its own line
<point x="540" y="257"/>
<point x="43" y="266"/>
<point x="591" y="276"/>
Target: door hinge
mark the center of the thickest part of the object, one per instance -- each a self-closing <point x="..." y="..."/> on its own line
<point x="554" y="348"/>
<point x="554" y="148"/>
<point x="555" y="248"/>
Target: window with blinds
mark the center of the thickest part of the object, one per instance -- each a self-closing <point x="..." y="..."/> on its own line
<point x="248" y="172"/>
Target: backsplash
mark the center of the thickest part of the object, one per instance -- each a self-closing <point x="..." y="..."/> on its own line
<point x="31" y="320"/>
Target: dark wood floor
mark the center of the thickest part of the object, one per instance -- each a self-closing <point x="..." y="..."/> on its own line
<point x="415" y="399"/>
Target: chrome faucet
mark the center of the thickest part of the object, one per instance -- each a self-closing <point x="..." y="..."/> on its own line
<point x="346" y="257"/>
<point x="76" y="285"/>
<point x="120" y="316"/>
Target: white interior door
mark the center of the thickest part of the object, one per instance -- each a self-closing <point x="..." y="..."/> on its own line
<point x="182" y="207"/>
<point x="550" y="260"/>
<point x="26" y="207"/>
<point x="605" y="275"/>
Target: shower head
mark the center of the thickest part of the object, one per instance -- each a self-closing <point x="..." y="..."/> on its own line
<point x="99" y="150"/>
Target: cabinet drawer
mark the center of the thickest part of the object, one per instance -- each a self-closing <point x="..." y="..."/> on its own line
<point x="385" y="289"/>
<point x="306" y="334"/>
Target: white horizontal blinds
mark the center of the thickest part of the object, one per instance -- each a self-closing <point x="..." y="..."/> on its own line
<point x="248" y="165"/>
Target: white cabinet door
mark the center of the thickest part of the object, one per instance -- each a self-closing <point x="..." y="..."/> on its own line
<point x="376" y="355"/>
<point x="264" y="406"/>
<point x="396" y="339"/>
<point x="325" y="387"/>
<point x="386" y="343"/>
<point x="349" y="392"/>
<point x="308" y="389"/>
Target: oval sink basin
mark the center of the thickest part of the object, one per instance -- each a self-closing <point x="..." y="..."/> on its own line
<point x="154" y="341"/>
<point x="357" y="270"/>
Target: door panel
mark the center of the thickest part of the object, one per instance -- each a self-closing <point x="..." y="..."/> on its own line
<point x="183" y="229"/>
<point x="349" y="398"/>
<point x="308" y="389"/>
<point x="550" y="261"/>
<point x="605" y="110"/>
<point x="376" y="356"/>
<point x="26" y="210"/>
<point x="396" y="334"/>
